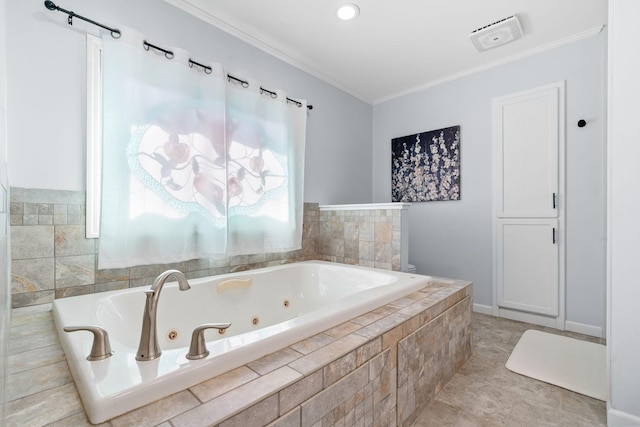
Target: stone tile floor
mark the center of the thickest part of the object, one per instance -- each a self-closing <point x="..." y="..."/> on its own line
<point x="485" y="393"/>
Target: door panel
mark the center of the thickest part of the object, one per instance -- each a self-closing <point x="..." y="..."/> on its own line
<point x="528" y="274"/>
<point x="528" y="158"/>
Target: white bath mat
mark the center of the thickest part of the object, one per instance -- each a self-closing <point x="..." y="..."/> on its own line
<point x="569" y="363"/>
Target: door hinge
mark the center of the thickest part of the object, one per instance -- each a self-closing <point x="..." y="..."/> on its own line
<point x="553" y="235"/>
<point x="554" y="200"/>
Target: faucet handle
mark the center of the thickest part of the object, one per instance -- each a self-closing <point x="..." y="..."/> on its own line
<point x="198" y="347"/>
<point x="101" y="348"/>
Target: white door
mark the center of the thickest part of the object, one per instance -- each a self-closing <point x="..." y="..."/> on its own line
<point x="529" y="214"/>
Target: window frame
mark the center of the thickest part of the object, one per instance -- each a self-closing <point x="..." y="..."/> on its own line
<point x="94" y="136"/>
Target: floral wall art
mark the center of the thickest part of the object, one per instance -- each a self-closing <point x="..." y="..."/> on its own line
<point x="426" y="166"/>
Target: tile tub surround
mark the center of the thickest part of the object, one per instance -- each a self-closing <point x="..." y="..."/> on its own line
<point x="371" y="235"/>
<point x="51" y="258"/>
<point x="377" y="369"/>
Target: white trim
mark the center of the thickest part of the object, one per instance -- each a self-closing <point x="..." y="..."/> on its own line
<point x="208" y="18"/>
<point x="583" y="328"/>
<point x="540" y="49"/>
<point x="365" y="206"/>
<point x="559" y="321"/>
<point x="482" y="309"/>
<point x="609" y="103"/>
<point x="617" y="418"/>
<point x="534" y="319"/>
<point x="94" y="135"/>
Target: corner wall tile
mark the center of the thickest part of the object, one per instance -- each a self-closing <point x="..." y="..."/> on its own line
<point x="76" y="219"/>
<point x="383" y="232"/>
<point x="366" y="250"/>
<point x="30" y="219"/>
<point x="74" y="291"/>
<point x="28" y="242"/>
<point x="16" y="208"/>
<point x="60" y="219"/>
<point x="32" y="298"/>
<point x="32" y="275"/>
<point x="366" y="232"/>
<point x="45" y="219"/>
<point x="15" y="219"/>
<point x="112" y="286"/>
<point x="75" y="271"/>
<point x="70" y="240"/>
<point x="31" y="209"/>
<point x="45" y="209"/>
<point x="112" y="275"/>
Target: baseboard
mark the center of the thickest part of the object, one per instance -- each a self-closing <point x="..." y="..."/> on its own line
<point x="522" y="316"/>
<point x="482" y="309"/>
<point x="582" y="328"/>
<point x="617" y="418"/>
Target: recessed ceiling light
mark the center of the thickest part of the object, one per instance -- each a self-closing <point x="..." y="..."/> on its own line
<point x="348" y="11"/>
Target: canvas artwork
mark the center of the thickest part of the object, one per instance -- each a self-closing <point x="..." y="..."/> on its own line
<point x="426" y="166"/>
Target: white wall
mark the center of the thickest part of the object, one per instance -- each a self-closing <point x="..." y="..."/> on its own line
<point x="623" y="342"/>
<point x="453" y="238"/>
<point x="46" y="96"/>
<point x="5" y="288"/>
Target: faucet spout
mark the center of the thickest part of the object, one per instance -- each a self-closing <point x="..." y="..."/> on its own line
<point x="149" y="348"/>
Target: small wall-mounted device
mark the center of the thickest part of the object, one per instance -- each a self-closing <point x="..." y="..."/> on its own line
<point x="497" y="34"/>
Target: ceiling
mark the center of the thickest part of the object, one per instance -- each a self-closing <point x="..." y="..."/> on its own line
<point x="396" y="46"/>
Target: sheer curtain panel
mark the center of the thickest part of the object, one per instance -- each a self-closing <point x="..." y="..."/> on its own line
<point x="265" y="146"/>
<point x="194" y="166"/>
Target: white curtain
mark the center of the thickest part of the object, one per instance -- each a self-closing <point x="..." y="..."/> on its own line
<point x="265" y="146"/>
<point x="193" y="166"/>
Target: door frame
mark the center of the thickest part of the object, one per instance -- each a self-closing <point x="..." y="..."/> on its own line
<point x="496" y="121"/>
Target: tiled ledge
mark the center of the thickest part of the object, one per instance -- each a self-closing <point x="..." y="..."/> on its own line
<point x="365" y="206"/>
<point x="347" y="374"/>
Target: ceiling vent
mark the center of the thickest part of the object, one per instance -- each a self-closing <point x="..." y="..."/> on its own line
<point x="493" y="35"/>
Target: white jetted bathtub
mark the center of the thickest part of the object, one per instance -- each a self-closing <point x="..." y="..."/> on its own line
<point x="268" y="309"/>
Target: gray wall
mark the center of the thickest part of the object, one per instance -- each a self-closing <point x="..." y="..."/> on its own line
<point x="454" y="238"/>
<point x="46" y="95"/>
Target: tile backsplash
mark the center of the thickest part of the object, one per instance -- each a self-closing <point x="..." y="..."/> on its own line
<point x="51" y="258"/>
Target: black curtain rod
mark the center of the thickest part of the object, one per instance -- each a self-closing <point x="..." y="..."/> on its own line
<point x="274" y="95"/>
<point x="167" y="53"/>
<point x="115" y="33"/>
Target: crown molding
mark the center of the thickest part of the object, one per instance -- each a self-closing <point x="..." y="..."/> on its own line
<point x="271" y="50"/>
<point x="549" y="46"/>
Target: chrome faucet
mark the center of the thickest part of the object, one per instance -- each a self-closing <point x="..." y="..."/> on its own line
<point x="149" y="348"/>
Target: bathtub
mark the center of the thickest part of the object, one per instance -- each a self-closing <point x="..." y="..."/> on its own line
<point x="269" y="309"/>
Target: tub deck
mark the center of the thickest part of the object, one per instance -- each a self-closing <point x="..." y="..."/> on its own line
<point x="383" y="366"/>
